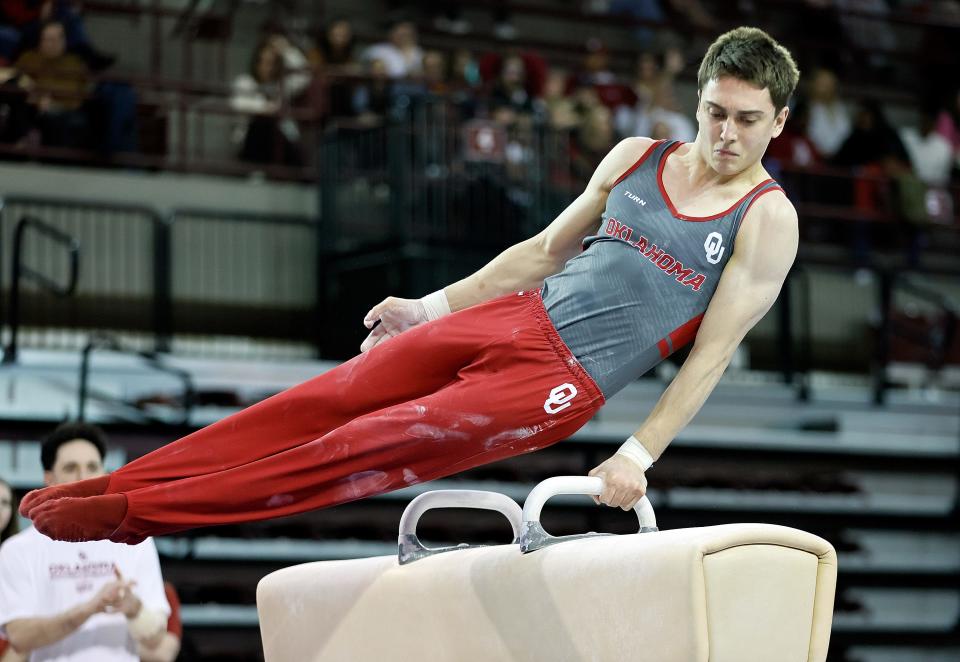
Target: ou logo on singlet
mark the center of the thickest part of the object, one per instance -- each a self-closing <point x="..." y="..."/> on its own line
<point x="714" y="247"/>
<point x="560" y="397"/>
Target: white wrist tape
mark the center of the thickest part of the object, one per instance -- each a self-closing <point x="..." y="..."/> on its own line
<point x="436" y="305"/>
<point x="634" y="450"/>
<point x="146" y="624"/>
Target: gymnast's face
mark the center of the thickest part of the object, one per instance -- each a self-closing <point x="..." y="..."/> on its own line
<point x="76" y="460"/>
<point x="736" y="123"/>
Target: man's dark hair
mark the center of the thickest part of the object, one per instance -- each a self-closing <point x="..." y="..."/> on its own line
<point x="753" y="56"/>
<point x="69" y="432"/>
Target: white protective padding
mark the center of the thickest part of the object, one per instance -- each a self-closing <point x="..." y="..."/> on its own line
<point x="731" y="593"/>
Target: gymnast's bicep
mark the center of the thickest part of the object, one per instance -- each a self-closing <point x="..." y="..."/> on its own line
<point x="765" y="250"/>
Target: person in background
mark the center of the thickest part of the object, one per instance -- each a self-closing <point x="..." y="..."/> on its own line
<point x="9" y="526"/>
<point x="793" y="148"/>
<point x="829" y="122"/>
<point x="21" y="22"/>
<point x="278" y="74"/>
<point x="948" y="126"/>
<point x="79" y="602"/>
<point x="931" y="154"/>
<point x="401" y="54"/>
<point x="333" y="59"/>
<point x="59" y="84"/>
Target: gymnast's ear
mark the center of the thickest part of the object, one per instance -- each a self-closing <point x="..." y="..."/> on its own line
<point x="780" y="120"/>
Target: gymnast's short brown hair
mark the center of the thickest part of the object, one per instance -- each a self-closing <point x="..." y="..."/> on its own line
<point x="755" y="57"/>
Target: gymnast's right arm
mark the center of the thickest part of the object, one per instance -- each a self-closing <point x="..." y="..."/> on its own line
<point x="523" y="266"/>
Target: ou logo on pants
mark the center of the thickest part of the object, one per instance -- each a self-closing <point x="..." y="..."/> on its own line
<point x="560" y="397"/>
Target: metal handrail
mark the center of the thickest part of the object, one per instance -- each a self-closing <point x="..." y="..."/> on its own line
<point x="161" y="276"/>
<point x="151" y="359"/>
<point x="20" y="270"/>
<point x="891" y="281"/>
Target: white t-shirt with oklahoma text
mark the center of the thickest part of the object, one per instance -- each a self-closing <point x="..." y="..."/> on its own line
<point x="40" y="577"/>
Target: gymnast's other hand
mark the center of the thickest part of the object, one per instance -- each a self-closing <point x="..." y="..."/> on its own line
<point x="391" y="317"/>
<point x="624" y="482"/>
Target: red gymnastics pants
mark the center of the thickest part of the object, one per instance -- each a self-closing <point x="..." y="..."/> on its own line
<point x="472" y="387"/>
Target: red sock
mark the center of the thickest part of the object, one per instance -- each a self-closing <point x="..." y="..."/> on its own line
<point x="83" y="488"/>
<point x="75" y="519"/>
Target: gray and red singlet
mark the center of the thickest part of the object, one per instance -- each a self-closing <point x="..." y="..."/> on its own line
<point x="639" y="289"/>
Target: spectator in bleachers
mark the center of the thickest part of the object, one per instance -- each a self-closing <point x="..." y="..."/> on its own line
<point x="873" y="141"/>
<point x="401" y="54"/>
<point x="167" y="646"/>
<point x="884" y="182"/>
<point x="59" y="84"/>
<point x="464" y="82"/>
<point x="512" y="94"/>
<point x="793" y="147"/>
<point x="335" y="46"/>
<point x="21" y="22"/>
<point x="656" y="110"/>
<point x="435" y="76"/>
<point x="79" y="601"/>
<point x="334" y="55"/>
<point x="9" y="526"/>
<point x="15" y="113"/>
<point x="465" y="70"/>
<point x="278" y="75"/>
<point x="561" y="112"/>
<point x="931" y="155"/>
<point x="948" y="126"/>
<point x="373" y="100"/>
<point x="596" y="72"/>
<point x="829" y="122"/>
<point x="593" y="139"/>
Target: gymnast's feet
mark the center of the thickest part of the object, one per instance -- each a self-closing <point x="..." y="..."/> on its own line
<point x="75" y="519"/>
<point x="84" y="488"/>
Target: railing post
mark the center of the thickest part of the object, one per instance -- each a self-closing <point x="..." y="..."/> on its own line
<point x="162" y="285"/>
<point x="18" y="269"/>
<point x="785" y="320"/>
<point x="806" y="335"/>
<point x="882" y="356"/>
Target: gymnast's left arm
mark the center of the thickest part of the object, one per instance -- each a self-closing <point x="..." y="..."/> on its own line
<point x="765" y="249"/>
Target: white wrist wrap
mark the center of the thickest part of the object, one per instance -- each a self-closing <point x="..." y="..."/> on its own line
<point x="436" y="305"/>
<point x="146" y="624"/>
<point x="634" y="450"/>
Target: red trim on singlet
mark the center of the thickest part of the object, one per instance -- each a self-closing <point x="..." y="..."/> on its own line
<point x="744" y="217"/>
<point x="680" y="336"/>
<point x="696" y="219"/>
<point x="639" y="162"/>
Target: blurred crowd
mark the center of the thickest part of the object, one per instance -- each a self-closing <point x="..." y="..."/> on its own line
<point x="517" y="90"/>
<point x="50" y="91"/>
<point x="297" y="81"/>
